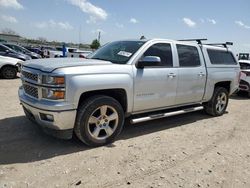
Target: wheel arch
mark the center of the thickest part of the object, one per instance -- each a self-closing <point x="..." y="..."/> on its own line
<point x="118" y="94"/>
<point x="224" y="84"/>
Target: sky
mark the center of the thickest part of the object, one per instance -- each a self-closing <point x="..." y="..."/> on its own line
<point x="81" y="20"/>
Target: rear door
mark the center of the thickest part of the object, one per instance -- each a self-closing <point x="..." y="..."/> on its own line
<point x="191" y="74"/>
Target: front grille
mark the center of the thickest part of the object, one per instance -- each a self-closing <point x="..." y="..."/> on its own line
<point x="30" y="76"/>
<point x="30" y="90"/>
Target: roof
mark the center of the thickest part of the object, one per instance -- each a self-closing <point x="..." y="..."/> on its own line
<point x="10" y="35"/>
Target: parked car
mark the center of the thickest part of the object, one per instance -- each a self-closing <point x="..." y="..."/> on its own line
<point x="51" y="52"/>
<point x="34" y="49"/>
<point x="245" y="76"/>
<point x="9" y="67"/>
<point x="75" y="52"/>
<point x="23" y="50"/>
<point x="141" y="79"/>
<point x="6" y="51"/>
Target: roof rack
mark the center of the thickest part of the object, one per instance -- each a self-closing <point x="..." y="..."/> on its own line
<point x="199" y="41"/>
<point x="221" y="44"/>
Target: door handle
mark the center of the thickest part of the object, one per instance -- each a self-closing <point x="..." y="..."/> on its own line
<point x="201" y="74"/>
<point x="171" y="75"/>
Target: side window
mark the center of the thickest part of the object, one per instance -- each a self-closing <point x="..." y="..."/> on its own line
<point x="2" y="49"/>
<point x="188" y="56"/>
<point x="221" y="57"/>
<point x="162" y="50"/>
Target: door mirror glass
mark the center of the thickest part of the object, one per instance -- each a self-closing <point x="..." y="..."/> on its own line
<point x="148" y="61"/>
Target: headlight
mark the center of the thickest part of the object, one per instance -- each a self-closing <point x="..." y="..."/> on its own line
<point x="53" y="94"/>
<point x="53" y="80"/>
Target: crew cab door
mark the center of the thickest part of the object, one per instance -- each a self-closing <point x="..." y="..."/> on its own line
<point x="155" y="85"/>
<point x="191" y="74"/>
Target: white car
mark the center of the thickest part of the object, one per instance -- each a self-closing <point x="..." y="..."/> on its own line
<point x="9" y="67"/>
<point x="245" y="76"/>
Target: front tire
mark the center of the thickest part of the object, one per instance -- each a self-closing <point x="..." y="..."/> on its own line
<point x="9" y="72"/>
<point x="218" y="104"/>
<point x="99" y="120"/>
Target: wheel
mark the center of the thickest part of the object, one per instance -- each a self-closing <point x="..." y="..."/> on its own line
<point x="218" y="104"/>
<point x="99" y="120"/>
<point x="9" y="72"/>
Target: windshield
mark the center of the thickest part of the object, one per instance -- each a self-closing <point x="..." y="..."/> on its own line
<point x="117" y="52"/>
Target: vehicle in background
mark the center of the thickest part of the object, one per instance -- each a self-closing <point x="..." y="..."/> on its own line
<point x="75" y="52"/>
<point x="50" y="52"/>
<point x="6" y="51"/>
<point x="245" y="77"/>
<point x="138" y="79"/>
<point x="9" y="67"/>
<point x="34" y="49"/>
<point x="244" y="56"/>
<point x="23" y="50"/>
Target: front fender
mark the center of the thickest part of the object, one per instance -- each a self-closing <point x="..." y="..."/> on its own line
<point x="79" y="84"/>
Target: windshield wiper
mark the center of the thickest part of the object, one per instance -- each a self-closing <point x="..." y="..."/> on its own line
<point x="98" y="58"/>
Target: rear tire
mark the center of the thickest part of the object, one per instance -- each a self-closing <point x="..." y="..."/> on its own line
<point x="99" y="120"/>
<point x="218" y="104"/>
<point x="9" y="72"/>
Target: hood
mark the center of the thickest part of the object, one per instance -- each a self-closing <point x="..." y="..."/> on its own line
<point x="9" y="60"/>
<point x="49" y="65"/>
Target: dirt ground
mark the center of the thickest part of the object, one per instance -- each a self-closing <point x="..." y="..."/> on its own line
<point x="191" y="150"/>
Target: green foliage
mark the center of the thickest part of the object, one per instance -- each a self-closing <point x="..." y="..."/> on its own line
<point x="95" y="44"/>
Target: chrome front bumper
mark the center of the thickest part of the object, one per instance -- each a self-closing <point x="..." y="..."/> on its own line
<point x="63" y="116"/>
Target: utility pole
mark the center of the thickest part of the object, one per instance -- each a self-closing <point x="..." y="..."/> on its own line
<point x="99" y="36"/>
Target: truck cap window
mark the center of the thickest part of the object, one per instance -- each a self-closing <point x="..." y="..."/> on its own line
<point x="221" y="57"/>
<point x="188" y="56"/>
<point x="162" y="50"/>
<point x="117" y="52"/>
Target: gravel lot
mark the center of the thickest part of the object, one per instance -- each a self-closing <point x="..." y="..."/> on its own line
<point x="191" y="150"/>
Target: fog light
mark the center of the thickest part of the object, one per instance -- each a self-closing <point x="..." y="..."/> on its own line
<point x="47" y="117"/>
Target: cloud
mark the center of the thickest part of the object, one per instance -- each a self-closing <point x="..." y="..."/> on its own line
<point x="202" y="20"/>
<point x="54" y="24"/>
<point x="241" y="24"/>
<point x="189" y="22"/>
<point x="119" y="25"/>
<point x="10" y="4"/>
<point x="9" y="19"/>
<point x="133" y="20"/>
<point x="95" y="13"/>
<point x="212" y="21"/>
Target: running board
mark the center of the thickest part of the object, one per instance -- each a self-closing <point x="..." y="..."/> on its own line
<point x="163" y="115"/>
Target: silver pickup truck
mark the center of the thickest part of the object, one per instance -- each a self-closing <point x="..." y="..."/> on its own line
<point x="139" y="79"/>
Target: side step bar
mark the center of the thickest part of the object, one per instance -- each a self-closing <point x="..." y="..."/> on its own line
<point x="163" y="115"/>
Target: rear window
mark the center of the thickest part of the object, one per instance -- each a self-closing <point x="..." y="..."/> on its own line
<point x="221" y="57"/>
<point x="188" y="56"/>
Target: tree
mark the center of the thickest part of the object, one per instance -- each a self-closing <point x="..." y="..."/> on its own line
<point x="9" y="31"/>
<point x="42" y="39"/>
<point x="95" y="44"/>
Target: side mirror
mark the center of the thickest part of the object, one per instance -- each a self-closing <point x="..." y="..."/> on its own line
<point x="148" y="61"/>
